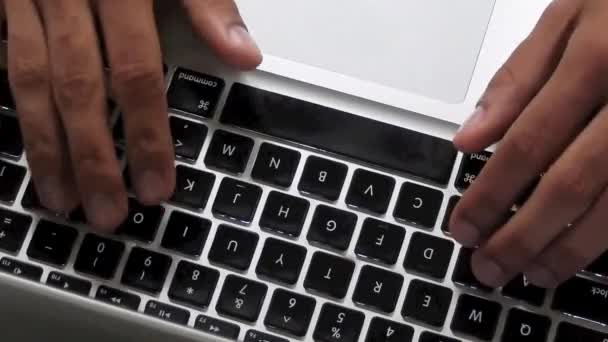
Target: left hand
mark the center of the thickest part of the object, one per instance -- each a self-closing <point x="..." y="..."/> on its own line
<point x="549" y="107"/>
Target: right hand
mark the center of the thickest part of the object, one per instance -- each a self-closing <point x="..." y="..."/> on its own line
<point x="57" y="78"/>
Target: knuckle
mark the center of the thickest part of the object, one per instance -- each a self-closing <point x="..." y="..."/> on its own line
<point x="29" y="72"/>
<point x="89" y="159"/>
<point x="41" y="149"/>
<point x="137" y="78"/>
<point x="75" y="88"/>
<point x="75" y="78"/>
<point x="525" y="144"/>
<point x="506" y="77"/>
<point x="573" y="184"/>
<point x="147" y="142"/>
<point x="593" y="53"/>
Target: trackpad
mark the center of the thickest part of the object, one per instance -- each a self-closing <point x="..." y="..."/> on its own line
<point x="428" y="47"/>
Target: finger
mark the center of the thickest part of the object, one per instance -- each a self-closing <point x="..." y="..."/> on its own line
<point x="80" y="97"/>
<point x="220" y="25"/>
<point x="137" y="82"/>
<point x="546" y="127"/>
<point x="40" y="124"/>
<point x="574" y="250"/>
<point x="520" y="78"/>
<point x="565" y="193"/>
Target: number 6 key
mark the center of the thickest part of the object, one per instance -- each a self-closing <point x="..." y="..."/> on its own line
<point x="290" y="312"/>
<point x="146" y="270"/>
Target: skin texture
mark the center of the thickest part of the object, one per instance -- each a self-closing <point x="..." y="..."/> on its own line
<point x="56" y="74"/>
<point x="546" y="109"/>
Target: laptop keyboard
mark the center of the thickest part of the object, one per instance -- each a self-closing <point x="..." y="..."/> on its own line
<point x="290" y="221"/>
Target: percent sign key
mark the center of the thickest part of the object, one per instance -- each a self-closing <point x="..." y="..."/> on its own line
<point x="337" y="324"/>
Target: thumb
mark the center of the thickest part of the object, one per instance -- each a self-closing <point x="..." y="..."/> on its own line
<point x="219" y="24"/>
<point x="518" y="81"/>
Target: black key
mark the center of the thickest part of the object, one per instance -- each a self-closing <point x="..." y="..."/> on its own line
<point x="463" y="274"/>
<point x="217" y="327"/>
<point x="99" y="256"/>
<point x="382" y="330"/>
<point x="167" y="312"/>
<point x="192" y="187"/>
<point x="428" y="255"/>
<point x="380" y="241"/>
<point x="418" y="205"/>
<point x="142" y="221"/>
<point x="13" y="229"/>
<point x="338" y="324"/>
<point x="193" y="284"/>
<point x="118" y="298"/>
<point x="69" y="283"/>
<point x="519" y="288"/>
<point x="523" y="326"/>
<point x="290" y="312"/>
<point x="329" y="275"/>
<point x="331" y="130"/>
<point x="378" y="289"/>
<point x="30" y="198"/>
<point x="241" y="298"/>
<point x="52" y="243"/>
<point x="229" y="152"/>
<point x="599" y="266"/>
<point x="236" y="200"/>
<point x="476" y="317"/>
<point x="194" y="93"/>
<point x="470" y="168"/>
<point x="6" y="95"/>
<point x="11" y="143"/>
<point x="370" y="191"/>
<point x="256" y="336"/>
<point x="275" y="165"/>
<point x="322" y="178"/>
<point x="427" y="336"/>
<point x="582" y="298"/>
<point x="567" y="332"/>
<point x="332" y="227"/>
<point x="186" y="233"/>
<point x="188" y="137"/>
<point x="20" y="269"/>
<point x="11" y="178"/>
<point x="281" y="261"/>
<point x="284" y="214"/>
<point x="426" y="302"/>
<point x="445" y="225"/>
<point x="146" y="270"/>
<point x="233" y="247"/>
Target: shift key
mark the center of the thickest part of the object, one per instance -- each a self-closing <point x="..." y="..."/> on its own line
<point x="583" y="298"/>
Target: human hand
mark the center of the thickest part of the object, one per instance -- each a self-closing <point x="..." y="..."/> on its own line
<point x="57" y="78"/>
<point x="548" y="107"/>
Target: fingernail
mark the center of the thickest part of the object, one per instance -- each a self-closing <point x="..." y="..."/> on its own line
<point x="102" y="212"/>
<point x="474" y="120"/>
<point x="541" y="277"/>
<point x="52" y="194"/>
<point x="488" y="272"/>
<point x="149" y="188"/>
<point x="466" y="234"/>
<point x="240" y="36"/>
